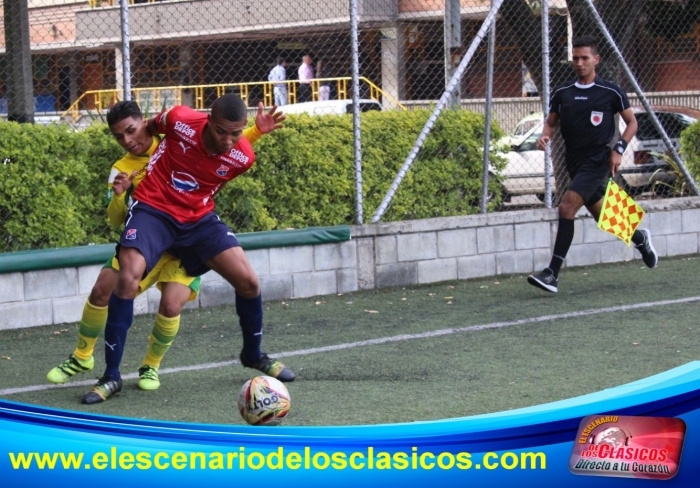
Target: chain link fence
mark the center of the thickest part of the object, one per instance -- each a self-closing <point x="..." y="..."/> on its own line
<point x="68" y="57"/>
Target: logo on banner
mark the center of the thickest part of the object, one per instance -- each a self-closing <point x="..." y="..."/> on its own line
<point x="596" y="118"/>
<point x="222" y="171"/>
<point x="628" y="447"/>
<point x="130" y="234"/>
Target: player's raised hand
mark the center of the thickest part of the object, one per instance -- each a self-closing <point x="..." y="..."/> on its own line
<point x="122" y="182"/>
<point x="272" y="120"/>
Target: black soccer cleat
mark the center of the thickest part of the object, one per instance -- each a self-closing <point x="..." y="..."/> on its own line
<point x="646" y="249"/>
<point x="105" y="388"/>
<point x="270" y="367"/>
<point x="544" y="280"/>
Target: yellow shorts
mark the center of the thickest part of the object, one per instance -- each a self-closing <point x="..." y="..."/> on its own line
<point x="168" y="269"/>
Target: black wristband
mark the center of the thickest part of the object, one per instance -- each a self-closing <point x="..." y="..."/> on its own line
<point x="622" y="143"/>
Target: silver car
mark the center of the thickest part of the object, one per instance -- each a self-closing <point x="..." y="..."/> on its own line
<point x="639" y="170"/>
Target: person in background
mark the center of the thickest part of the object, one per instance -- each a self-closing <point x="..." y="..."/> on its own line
<point x="321" y="73"/>
<point x="306" y="74"/>
<point x="279" y="73"/>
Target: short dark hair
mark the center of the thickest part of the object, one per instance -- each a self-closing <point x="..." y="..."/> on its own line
<point x="123" y="110"/>
<point x="586" y="41"/>
<point x="280" y="60"/>
<point x="229" y="107"/>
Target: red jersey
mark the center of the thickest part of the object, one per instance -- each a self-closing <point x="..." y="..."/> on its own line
<point x="182" y="177"/>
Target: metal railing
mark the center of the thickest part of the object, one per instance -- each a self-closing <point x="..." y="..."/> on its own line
<point x="166" y="96"/>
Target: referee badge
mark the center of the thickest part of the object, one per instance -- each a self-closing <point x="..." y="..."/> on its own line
<point x="596" y="118"/>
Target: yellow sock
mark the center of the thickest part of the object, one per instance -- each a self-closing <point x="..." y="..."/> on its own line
<point x="162" y="335"/>
<point x="92" y="324"/>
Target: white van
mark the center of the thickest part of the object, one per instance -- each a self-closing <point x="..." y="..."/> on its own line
<point x="328" y="107"/>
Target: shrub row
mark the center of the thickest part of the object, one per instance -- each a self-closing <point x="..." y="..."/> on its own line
<point x="54" y="178"/>
<point x="690" y="149"/>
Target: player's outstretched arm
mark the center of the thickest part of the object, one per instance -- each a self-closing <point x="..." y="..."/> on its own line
<point x="272" y="120"/>
<point x="264" y="123"/>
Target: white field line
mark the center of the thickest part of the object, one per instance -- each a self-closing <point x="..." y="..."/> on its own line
<point x="381" y="340"/>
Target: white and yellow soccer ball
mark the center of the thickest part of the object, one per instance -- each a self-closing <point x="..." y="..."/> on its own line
<point x="264" y="400"/>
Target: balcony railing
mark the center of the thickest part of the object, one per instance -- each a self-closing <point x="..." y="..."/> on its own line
<point x="158" y="98"/>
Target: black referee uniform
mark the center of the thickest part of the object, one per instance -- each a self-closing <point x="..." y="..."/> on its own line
<point x="586" y="115"/>
<point x="587" y="122"/>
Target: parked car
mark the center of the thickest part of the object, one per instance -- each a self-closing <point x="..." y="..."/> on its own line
<point x="639" y="170"/>
<point x="328" y="107"/>
<point x="520" y="132"/>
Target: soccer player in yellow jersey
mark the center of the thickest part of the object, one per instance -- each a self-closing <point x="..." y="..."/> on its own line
<point x="129" y="129"/>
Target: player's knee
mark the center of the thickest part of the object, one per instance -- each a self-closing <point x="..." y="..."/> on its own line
<point x="99" y="296"/>
<point x="127" y="285"/>
<point x="567" y="210"/>
<point x="248" y="286"/>
<point x="170" y="308"/>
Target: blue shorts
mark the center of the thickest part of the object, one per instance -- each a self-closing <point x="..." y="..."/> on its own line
<point x="153" y="232"/>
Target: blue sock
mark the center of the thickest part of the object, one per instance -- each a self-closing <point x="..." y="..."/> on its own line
<point x="120" y="314"/>
<point x="250" y="316"/>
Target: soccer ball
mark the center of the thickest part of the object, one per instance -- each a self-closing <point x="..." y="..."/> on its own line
<point x="264" y="400"/>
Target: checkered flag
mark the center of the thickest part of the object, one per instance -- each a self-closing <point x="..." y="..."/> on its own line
<point x="620" y="214"/>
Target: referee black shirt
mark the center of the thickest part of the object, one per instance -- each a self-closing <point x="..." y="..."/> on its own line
<point x="587" y="114"/>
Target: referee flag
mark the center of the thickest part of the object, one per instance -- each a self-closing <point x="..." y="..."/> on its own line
<point x="620" y="214"/>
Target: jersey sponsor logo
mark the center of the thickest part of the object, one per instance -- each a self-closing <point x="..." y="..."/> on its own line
<point x="596" y="118"/>
<point x="130" y="234"/>
<point x="238" y="155"/>
<point x="232" y="162"/>
<point x="183" y="181"/>
<point x="156" y="155"/>
<point x="184" y="129"/>
<point x="580" y="98"/>
<point x="222" y="171"/>
<point x="184" y="148"/>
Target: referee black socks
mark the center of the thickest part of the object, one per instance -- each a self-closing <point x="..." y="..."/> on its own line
<point x="565" y="235"/>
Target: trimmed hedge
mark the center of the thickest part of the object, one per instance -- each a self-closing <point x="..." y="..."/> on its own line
<point x="54" y="178"/>
<point x="690" y="149"/>
<point x="304" y="174"/>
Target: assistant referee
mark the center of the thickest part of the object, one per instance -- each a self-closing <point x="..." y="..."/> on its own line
<point x="585" y="108"/>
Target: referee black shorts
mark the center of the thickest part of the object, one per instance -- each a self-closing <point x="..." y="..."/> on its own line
<point x="589" y="175"/>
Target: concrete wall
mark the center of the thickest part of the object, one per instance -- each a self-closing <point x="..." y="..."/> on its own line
<point x="377" y="256"/>
<point x="184" y="19"/>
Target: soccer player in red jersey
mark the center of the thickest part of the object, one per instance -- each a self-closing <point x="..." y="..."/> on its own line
<point x="173" y="210"/>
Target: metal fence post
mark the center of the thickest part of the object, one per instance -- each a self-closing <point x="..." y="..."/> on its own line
<point x="356" y="111"/>
<point x="548" y="170"/>
<point x="487" y="123"/>
<point x="126" y="55"/>
<point x="453" y="46"/>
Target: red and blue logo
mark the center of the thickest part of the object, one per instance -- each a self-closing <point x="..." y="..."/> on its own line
<point x="223" y="170"/>
<point x="184" y="181"/>
<point x="130" y="234"/>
